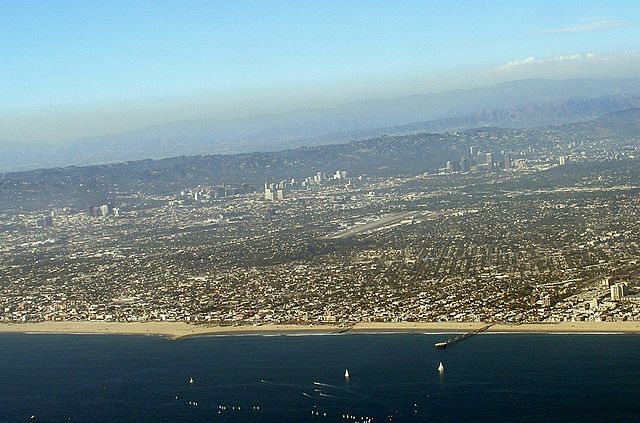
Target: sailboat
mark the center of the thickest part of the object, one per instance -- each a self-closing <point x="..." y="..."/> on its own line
<point x="441" y="368"/>
<point x="346" y="373"/>
<point x="190" y="381"/>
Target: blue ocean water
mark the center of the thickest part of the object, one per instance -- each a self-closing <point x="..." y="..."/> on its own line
<point x="393" y="377"/>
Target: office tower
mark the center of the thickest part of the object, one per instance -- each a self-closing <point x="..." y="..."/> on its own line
<point x="618" y="291"/>
<point x="489" y="159"/>
<point x="465" y="166"/>
<point x="507" y="161"/>
<point x="105" y="209"/>
<point x="449" y="167"/>
<point x="268" y="192"/>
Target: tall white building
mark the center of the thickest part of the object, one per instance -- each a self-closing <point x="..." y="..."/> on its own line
<point x="618" y="291"/>
<point x="507" y="161"/>
<point x="268" y="192"/>
<point x="488" y="159"/>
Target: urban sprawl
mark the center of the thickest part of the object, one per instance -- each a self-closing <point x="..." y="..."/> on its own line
<point x="542" y="234"/>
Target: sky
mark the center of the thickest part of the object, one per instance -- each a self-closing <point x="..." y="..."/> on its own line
<point x="70" y="69"/>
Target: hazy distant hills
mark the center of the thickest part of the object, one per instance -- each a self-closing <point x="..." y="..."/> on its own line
<point x="530" y="115"/>
<point x="622" y="122"/>
<point x="518" y="104"/>
<point x="380" y="156"/>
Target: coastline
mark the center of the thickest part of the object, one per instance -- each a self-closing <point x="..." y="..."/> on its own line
<point x="180" y="330"/>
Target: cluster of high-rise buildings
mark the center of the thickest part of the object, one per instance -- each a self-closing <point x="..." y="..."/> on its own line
<point x="201" y="193"/>
<point x="619" y="291"/>
<point x="277" y="190"/>
<point x="480" y="161"/>
<point x="274" y="191"/>
<point x="103" y="210"/>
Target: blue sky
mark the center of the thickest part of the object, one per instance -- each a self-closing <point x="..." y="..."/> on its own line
<point x="77" y="68"/>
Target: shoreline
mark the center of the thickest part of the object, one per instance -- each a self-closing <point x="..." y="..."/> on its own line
<point x="181" y="330"/>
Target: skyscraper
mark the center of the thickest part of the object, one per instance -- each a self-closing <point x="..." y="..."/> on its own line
<point x="449" y="167"/>
<point x="489" y="160"/>
<point x="268" y="192"/>
<point x="465" y="165"/>
<point x="618" y="291"/>
<point x="507" y="161"/>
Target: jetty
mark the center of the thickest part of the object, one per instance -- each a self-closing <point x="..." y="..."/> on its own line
<point x="458" y="338"/>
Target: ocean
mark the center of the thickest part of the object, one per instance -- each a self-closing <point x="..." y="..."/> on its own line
<point x="300" y="378"/>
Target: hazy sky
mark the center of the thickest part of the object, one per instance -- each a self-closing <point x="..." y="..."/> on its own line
<point x="75" y="68"/>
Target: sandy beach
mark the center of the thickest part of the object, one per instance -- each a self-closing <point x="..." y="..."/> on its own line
<point x="173" y="330"/>
<point x="179" y="330"/>
<point x="577" y="327"/>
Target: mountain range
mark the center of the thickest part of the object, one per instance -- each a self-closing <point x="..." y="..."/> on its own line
<point x="517" y="104"/>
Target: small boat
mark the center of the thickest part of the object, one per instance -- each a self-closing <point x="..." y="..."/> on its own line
<point x="346" y="373"/>
<point x="190" y="381"/>
<point x="441" y="345"/>
<point x="441" y="368"/>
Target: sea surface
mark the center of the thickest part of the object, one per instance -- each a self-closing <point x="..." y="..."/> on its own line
<point x="294" y="378"/>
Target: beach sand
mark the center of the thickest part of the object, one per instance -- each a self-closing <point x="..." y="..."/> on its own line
<point x="174" y="330"/>
<point x="180" y="330"/>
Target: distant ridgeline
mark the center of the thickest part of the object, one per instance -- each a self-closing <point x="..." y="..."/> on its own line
<point x="521" y="104"/>
<point x="383" y="156"/>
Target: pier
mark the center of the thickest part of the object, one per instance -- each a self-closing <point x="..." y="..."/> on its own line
<point x="451" y="341"/>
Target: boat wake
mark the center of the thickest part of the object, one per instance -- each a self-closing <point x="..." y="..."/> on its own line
<point x="326" y="384"/>
<point x="322" y="394"/>
<point x="340" y="388"/>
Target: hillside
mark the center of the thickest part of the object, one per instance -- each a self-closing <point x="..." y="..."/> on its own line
<point x="517" y="104"/>
<point x="381" y="156"/>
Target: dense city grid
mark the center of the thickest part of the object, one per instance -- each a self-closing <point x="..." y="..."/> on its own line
<point x="520" y="235"/>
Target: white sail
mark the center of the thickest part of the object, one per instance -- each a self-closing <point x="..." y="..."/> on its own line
<point x="346" y="373"/>
<point x="190" y="380"/>
<point x="441" y="367"/>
